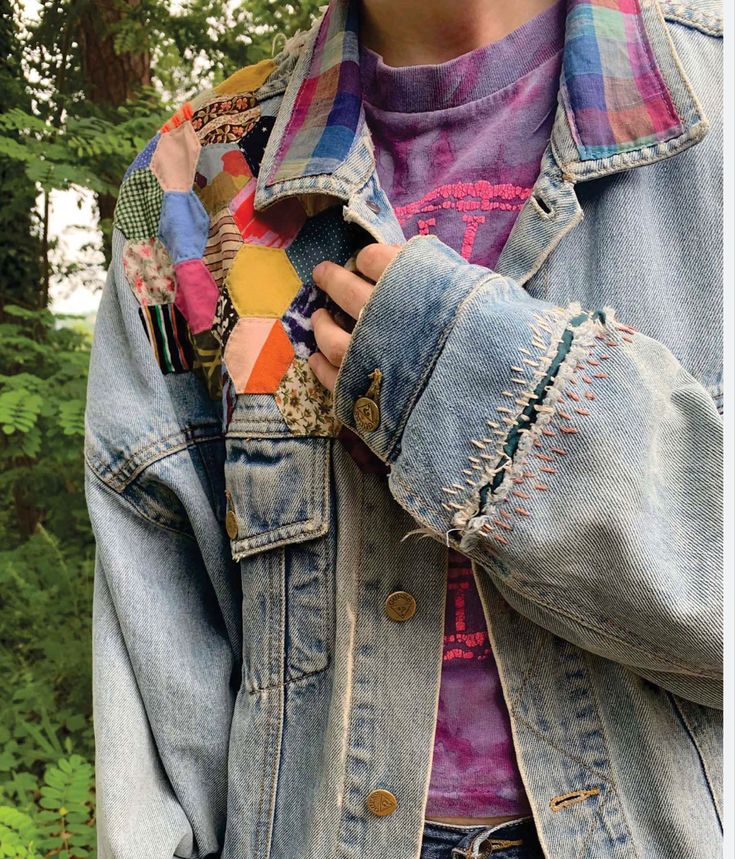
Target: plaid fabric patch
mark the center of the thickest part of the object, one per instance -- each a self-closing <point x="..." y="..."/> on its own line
<point x="327" y="109"/>
<point x="616" y="96"/>
<point x="138" y="209"/>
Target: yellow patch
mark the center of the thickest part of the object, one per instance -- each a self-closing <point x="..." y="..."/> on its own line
<point x="262" y="281"/>
<point x="247" y="79"/>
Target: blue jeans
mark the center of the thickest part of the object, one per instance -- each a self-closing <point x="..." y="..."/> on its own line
<point x="514" y="840"/>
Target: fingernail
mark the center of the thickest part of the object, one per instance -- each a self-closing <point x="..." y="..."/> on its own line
<point x="318" y="270"/>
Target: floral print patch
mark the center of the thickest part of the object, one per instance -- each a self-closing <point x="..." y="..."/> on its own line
<point x="149" y="271"/>
<point x="306" y="405"/>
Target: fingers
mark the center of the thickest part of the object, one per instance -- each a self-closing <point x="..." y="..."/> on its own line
<point x="330" y="338"/>
<point x="348" y="290"/>
<point x="323" y="370"/>
<point x="373" y="259"/>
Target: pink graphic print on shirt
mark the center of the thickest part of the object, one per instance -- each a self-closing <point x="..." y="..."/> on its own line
<point x="469" y="202"/>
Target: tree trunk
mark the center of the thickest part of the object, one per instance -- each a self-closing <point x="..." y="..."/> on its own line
<point x="110" y="78"/>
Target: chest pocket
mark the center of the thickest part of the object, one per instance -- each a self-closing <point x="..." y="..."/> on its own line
<point x="278" y="505"/>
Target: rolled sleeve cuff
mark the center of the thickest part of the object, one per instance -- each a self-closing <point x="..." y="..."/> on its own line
<point x="401" y="332"/>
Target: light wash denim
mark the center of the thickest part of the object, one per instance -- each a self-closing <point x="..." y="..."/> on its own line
<point x="249" y="694"/>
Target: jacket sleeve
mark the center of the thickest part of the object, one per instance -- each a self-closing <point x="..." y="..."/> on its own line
<point x="166" y="625"/>
<point x="572" y="458"/>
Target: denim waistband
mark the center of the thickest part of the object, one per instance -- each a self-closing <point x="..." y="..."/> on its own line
<point x="515" y="839"/>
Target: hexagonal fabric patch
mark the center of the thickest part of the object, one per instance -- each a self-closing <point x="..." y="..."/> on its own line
<point x="149" y="271"/>
<point x="325" y="236"/>
<point x="175" y="158"/>
<point x="222" y="245"/>
<point x="257" y="355"/>
<point x="262" y="282"/>
<point x="184" y="225"/>
<point x="248" y="78"/>
<point x="306" y="405"/>
<point x="196" y="294"/>
<point x="138" y="209"/>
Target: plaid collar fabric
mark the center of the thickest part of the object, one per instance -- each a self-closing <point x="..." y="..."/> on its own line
<point x="328" y="105"/>
<point x="615" y="95"/>
<point x="611" y="87"/>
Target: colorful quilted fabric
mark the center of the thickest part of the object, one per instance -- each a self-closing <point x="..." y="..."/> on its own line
<point x="225" y="290"/>
<point x="149" y="271"/>
<point x="138" y="208"/>
<point x="304" y="403"/>
<point x="169" y="337"/>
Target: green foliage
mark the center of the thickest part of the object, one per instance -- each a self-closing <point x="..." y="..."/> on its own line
<point x="66" y="122"/>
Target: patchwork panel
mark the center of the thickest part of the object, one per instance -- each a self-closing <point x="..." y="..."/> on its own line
<point x="257" y="355"/>
<point x="196" y="295"/>
<point x="138" y="209"/>
<point x="262" y="282"/>
<point x="225" y="290"/>
<point x="184" y="225"/>
<point x="149" y="271"/>
<point x="168" y="335"/>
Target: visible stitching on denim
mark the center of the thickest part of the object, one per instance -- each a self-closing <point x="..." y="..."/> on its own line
<point x="523" y="721"/>
<point x="527" y="675"/>
<point x="585" y="842"/>
<point x="358" y="581"/>
<point x="555" y="337"/>
<point x="550" y="419"/>
<point x="587" y="656"/>
<point x="564" y="800"/>
<point x="142" y="514"/>
<point x="188" y="436"/>
<point x="689" y="728"/>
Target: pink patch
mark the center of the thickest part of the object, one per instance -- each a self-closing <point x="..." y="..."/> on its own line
<point x="196" y="294"/>
<point x="277" y="227"/>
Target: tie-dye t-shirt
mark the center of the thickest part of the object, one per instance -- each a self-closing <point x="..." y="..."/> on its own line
<point x="458" y="148"/>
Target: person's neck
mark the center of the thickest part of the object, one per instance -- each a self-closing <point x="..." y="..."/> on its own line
<point x="428" y="32"/>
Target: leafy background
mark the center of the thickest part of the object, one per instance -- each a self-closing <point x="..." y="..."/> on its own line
<point x="84" y="84"/>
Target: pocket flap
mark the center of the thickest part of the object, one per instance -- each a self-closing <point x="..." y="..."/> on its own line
<point x="278" y="491"/>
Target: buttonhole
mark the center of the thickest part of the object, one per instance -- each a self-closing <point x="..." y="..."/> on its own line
<point x="543" y="205"/>
<point x="373" y="206"/>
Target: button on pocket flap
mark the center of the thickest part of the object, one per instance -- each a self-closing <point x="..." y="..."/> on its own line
<point x="277" y="491"/>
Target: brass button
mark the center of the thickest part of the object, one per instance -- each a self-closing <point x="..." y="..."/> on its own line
<point x="400" y="606"/>
<point x="231" y="524"/>
<point x="366" y="414"/>
<point x="381" y="802"/>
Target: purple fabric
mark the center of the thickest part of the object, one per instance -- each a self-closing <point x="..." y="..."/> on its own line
<point x="458" y="149"/>
<point x="459" y="144"/>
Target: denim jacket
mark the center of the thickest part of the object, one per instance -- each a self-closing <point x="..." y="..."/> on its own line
<point x="556" y="419"/>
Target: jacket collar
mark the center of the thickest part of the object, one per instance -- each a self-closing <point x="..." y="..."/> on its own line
<point x="624" y="101"/>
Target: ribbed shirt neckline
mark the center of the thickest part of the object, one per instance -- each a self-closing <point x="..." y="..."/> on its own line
<point x="467" y="78"/>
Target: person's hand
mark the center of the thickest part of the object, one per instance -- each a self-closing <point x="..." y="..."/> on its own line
<point x="350" y="292"/>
